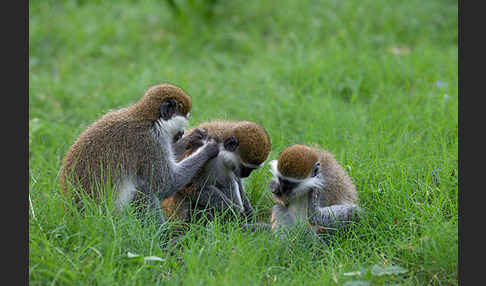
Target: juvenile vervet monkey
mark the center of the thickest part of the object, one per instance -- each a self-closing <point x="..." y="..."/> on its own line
<point x="244" y="146"/>
<point x="131" y="149"/>
<point x="311" y="187"/>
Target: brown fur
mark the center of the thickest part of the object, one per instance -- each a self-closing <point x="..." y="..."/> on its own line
<point x="255" y="143"/>
<point x="118" y="143"/>
<point x="255" y="146"/>
<point x="297" y="161"/>
<point x="339" y="186"/>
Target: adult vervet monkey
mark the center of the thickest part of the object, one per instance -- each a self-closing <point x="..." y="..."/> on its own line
<point x="130" y="150"/>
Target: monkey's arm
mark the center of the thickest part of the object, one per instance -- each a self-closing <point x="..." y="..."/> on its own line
<point x="184" y="171"/>
<point x="334" y="216"/>
<point x="166" y="179"/>
<point x="248" y="211"/>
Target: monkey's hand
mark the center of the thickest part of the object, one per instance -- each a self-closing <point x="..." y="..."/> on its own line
<point x="196" y="138"/>
<point x="211" y="148"/>
<point x="277" y="197"/>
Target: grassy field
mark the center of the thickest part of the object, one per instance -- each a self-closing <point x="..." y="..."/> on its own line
<point x="374" y="82"/>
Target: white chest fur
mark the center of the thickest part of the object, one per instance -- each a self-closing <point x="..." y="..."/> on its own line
<point x="125" y="194"/>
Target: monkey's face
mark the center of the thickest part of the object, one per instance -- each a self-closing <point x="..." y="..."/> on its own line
<point x="286" y="189"/>
<point x="172" y="120"/>
<point x="167" y="108"/>
<point x="247" y="148"/>
<point x="232" y="159"/>
<point x="163" y="102"/>
<point x="174" y="117"/>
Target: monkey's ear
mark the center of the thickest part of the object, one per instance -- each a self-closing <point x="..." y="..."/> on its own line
<point x="168" y="108"/>
<point x="316" y="170"/>
<point x="231" y="143"/>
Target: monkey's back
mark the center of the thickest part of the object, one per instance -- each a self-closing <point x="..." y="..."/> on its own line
<point x="338" y="188"/>
<point x="110" y="148"/>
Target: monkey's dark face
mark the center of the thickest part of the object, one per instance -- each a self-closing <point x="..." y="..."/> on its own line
<point x="282" y="187"/>
<point x="169" y="109"/>
<point x="171" y="120"/>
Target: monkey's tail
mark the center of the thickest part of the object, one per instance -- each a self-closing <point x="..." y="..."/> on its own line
<point x="257" y="227"/>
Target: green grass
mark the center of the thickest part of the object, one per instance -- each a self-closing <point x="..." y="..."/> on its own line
<point x="358" y="78"/>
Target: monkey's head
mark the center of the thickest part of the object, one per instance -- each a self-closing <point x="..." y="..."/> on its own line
<point x="165" y="106"/>
<point x="297" y="170"/>
<point x="245" y="147"/>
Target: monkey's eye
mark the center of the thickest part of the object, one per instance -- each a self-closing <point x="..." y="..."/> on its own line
<point x="168" y="108"/>
<point x="231" y="143"/>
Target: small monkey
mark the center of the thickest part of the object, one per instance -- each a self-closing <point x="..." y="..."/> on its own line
<point x="131" y="149"/>
<point x="311" y="187"/>
<point x="244" y="146"/>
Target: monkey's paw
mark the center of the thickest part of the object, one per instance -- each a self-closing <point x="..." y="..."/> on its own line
<point x="197" y="138"/>
<point x="212" y="148"/>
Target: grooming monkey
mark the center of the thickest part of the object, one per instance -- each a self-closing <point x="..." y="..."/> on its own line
<point x="131" y="149"/>
<point x="311" y="187"/>
<point x="244" y="146"/>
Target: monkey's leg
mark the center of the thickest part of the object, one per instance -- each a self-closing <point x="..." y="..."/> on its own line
<point x="214" y="197"/>
<point x="153" y="203"/>
<point x="334" y="216"/>
<point x="248" y="211"/>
